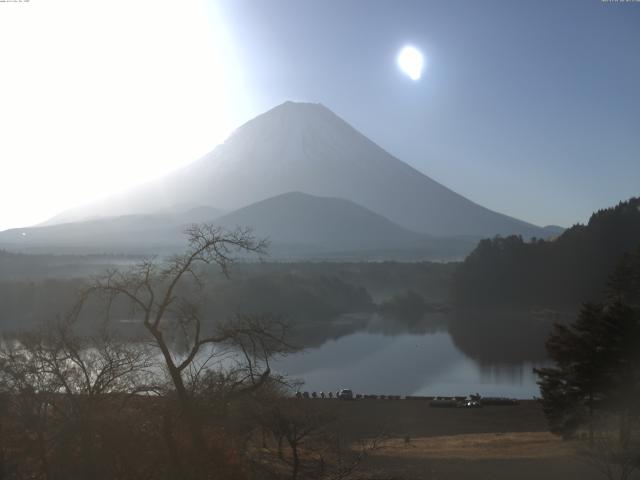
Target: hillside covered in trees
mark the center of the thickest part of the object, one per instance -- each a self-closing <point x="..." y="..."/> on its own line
<point x="508" y="272"/>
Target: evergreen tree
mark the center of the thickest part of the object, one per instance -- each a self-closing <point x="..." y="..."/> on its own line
<point x="559" y="273"/>
<point x="597" y="360"/>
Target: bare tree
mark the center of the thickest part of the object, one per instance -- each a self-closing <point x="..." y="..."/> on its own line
<point x="347" y="462"/>
<point x="162" y="299"/>
<point x="296" y="423"/>
<point x="60" y="383"/>
<point x="614" y="459"/>
<point x="312" y="434"/>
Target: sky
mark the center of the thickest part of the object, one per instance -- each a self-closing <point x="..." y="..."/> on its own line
<point x="529" y="108"/>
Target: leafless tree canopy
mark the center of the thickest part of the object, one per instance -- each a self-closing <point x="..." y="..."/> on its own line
<point x="59" y="384"/>
<point x="166" y="405"/>
<point x="161" y="297"/>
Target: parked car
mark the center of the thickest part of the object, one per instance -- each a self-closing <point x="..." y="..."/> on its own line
<point x="345" y="394"/>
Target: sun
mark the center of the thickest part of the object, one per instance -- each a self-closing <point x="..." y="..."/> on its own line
<point x="411" y="61"/>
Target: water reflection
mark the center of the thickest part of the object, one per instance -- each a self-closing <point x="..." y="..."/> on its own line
<point x="504" y="336"/>
<point x="383" y="357"/>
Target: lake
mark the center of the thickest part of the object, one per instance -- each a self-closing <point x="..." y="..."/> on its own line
<point x="404" y="363"/>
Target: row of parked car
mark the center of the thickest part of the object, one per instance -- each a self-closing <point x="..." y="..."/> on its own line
<point x="471" y="401"/>
<point x="344" y="394"/>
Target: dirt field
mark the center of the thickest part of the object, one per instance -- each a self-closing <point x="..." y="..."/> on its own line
<point x="492" y="443"/>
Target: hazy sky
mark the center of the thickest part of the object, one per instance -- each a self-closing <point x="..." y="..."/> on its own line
<point x="531" y="108"/>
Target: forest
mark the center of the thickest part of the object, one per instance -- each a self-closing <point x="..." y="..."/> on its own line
<point x="563" y="272"/>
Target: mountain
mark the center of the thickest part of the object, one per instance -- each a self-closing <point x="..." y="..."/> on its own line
<point x="306" y="147"/>
<point x="296" y="222"/>
<point x="297" y="225"/>
<point x="180" y="213"/>
<point x="553" y="230"/>
<point x="327" y="223"/>
<point x="159" y="232"/>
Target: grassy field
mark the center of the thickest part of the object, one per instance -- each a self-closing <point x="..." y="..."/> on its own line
<point x="493" y="443"/>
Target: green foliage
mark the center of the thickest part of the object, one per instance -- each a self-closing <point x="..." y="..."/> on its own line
<point x="597" y="359"/>
<point x="510" y="272"/>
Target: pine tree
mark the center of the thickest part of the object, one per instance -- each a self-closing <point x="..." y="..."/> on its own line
<point x="597" y="360"/>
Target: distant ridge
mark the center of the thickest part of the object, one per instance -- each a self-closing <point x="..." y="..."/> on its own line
<point x="142" y="233"/>
<point x="306" y="147"/>
<point x="298" y="226"/>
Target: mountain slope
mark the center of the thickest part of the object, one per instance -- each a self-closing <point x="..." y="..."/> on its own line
<point x="307" y="148"/>
<point x="326" y="223"/>
<point x="121" y="234"/>
<point x="302" y="226"/>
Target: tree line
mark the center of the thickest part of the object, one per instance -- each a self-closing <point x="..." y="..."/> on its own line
<point x="561" y="272"/>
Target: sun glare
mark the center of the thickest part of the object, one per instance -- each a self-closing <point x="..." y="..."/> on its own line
<point x="99" y="96"/>
<point x="410" y="61"/>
